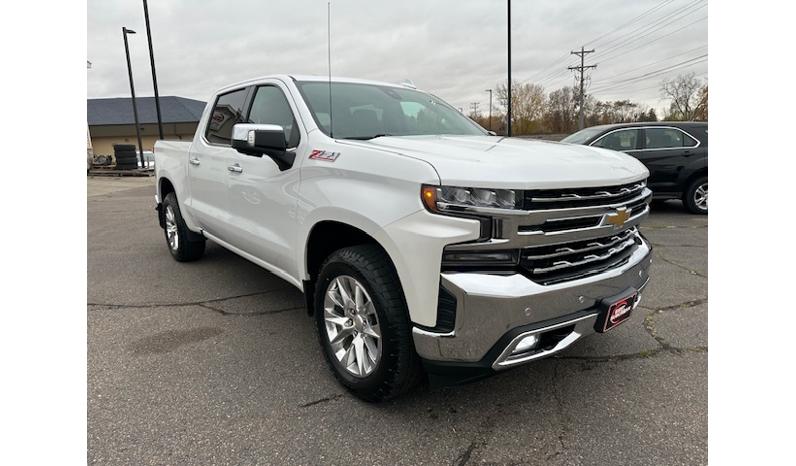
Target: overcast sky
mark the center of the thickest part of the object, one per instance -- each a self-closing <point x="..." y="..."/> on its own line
<point x="455" y="49"/>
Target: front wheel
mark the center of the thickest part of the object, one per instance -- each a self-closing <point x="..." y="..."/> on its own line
<point x="363" y="325"/>
<point x="696" y="196"/>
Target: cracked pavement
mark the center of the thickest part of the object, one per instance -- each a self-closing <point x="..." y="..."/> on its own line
<point x="216" y="362"/>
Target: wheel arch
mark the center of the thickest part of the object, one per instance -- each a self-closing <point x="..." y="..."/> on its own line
<point x="165" y="186"/>
<point x="326" y="236"/>
<point x="698" y="173"/>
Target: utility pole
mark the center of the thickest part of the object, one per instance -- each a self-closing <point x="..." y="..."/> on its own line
<point x="154" y="75"/>
<point x="508" y="111"/>
<point x="582" y="68"/>
<point x="490" y="108"/>
<point x="474" y="106"/>
<point x="126" y="31"/>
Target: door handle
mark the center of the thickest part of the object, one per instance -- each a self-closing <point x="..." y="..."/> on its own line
<point x="687" y="152"/>
<point x="235" y="168"/>
<point x="194" y="161"/>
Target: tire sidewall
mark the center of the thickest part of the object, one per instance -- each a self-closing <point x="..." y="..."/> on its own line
<point x="337" y="267"/>
<point x="690" y="201"/>
<point x="179" y="253"/>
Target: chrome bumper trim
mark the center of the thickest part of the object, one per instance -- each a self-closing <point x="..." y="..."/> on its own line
<point x="583" y="326"/>
<point x="489" y="306"/>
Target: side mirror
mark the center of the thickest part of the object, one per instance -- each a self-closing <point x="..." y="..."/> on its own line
<point x="251" y="139"/>
<point x="491" y="133"/>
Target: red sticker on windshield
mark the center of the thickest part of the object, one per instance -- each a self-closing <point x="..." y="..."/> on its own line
<point x="325" y="155"/>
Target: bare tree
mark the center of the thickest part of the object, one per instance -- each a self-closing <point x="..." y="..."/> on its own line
<point x="527" y="105"/>
<point x="701" y="110"/>
<point x="683" y="93"/>
<point x="561" y="116"/>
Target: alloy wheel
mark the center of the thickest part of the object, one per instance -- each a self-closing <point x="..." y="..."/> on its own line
<point x="701" y="196"/>
<point x="352" y="326"/>
<point x="171" y="229"/>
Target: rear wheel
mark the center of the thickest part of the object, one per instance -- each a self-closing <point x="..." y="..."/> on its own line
<point x="183" y="244"/>
<point x="363" y="325"/>
<point x="696" y="196"/>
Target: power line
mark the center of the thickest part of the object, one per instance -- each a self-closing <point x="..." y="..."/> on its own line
<point x="561" y="72"/>
<point x="652" y="28"/>
<point x="554" y="65"/>
<point x="645" y="44"/>
<point x="630" y="39"/>
<point x="655" y="86"/>
<point x="648" y="65"/>
<point x="552" y="75"/>
<point x="652" y="74"/>
<point x="635" y="19"/>
<point x="642" y="28"/>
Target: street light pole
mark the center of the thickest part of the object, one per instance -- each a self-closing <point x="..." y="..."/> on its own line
<point x="154" y="75"/>
<point x="490" y="108"/>
<point x="126" y="31"/>
<point x="508" y="111"/>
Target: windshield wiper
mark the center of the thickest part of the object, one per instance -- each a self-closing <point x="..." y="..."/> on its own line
<point x="366" y="138"/>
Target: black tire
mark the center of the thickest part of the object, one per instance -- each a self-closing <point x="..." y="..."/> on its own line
<point x="690" y="197"/>
<point x="398" y="369"/>
<point x="189" y="245"/>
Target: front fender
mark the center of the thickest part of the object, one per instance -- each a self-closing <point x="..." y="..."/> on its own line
<point x="414" y="244"/>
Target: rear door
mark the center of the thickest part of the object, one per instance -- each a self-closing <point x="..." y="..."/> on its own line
<point x="262" y="198"/>
<point x="211" y="155"/>
<point x="665" y="151"/>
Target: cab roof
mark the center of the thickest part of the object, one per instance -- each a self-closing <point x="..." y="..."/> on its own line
<point x="312" y="78"/>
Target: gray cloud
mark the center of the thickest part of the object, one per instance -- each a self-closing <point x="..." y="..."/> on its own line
<point x="455" y="49"/>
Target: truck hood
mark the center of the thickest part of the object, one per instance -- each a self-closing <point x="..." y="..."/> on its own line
<point x="500" y="162"/>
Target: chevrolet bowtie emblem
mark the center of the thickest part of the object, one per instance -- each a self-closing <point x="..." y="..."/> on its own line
<point x="619" y="217"/>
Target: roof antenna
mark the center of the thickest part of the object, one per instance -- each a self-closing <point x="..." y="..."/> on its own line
<point x="329" y="56"/>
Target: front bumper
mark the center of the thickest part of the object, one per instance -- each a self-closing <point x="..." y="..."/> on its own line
<point x="494" y="312"/>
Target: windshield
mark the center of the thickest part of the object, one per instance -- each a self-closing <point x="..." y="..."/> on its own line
<point x="365" y="111"/>
<point x="583" y="135"/>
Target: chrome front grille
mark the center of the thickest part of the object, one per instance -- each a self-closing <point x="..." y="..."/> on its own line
<point x="581" y="197"/>
<point x="560" y="235"/>
<point x="569" y="261"/>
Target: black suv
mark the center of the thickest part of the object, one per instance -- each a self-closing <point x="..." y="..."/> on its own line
<point x="675" y="153"/>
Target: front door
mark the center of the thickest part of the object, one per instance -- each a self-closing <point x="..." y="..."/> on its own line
<point x="623" y="140"/>
<point x="262" y="198"/>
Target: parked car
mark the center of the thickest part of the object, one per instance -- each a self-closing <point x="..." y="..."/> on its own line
<point x="421" y="242"/>
<point x="675" y="153"/>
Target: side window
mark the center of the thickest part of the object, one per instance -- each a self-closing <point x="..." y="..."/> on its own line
<point x="622" y="141"/>
<point x="688" y="141"/>
<point x="270" y="107"/>
<point x="664" y="138"/>
<point x="227" y="111"/>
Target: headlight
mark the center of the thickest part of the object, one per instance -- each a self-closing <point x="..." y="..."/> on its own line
<point x="453" y="198"/>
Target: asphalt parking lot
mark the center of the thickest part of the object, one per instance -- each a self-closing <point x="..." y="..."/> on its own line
<point x="216" y="362"/>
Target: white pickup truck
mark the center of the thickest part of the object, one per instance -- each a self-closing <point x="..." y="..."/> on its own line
<point x="424" y="244"/>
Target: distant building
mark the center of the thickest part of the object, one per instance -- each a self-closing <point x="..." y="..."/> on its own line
<point x="110" y="121"/>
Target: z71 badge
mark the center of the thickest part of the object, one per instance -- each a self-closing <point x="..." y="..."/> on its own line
<point x="325" y="155"/>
